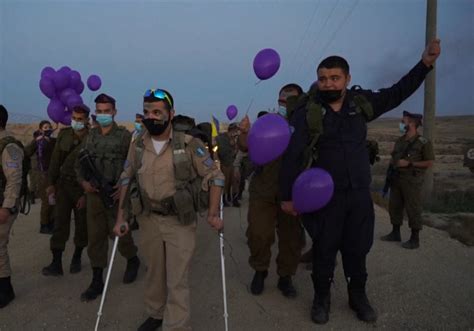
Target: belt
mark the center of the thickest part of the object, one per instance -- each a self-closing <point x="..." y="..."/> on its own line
<point x="165" y="207"/>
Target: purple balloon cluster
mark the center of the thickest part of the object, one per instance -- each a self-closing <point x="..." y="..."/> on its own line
<point x="64" y="88"/>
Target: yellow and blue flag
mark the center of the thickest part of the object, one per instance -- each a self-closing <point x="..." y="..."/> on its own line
<point x="215" y="126"/>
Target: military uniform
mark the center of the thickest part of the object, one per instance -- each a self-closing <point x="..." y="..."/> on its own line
<point x="10" y="186"/>
<point x="62" y="175"/>
<point x="405" y="191"/>
<point x="109" y="152"/>
<point x="40" y="177"/>
<point x="264" y="217"/>
<point x="168" y="231"/>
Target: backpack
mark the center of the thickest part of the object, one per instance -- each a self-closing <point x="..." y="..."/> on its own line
<point x="26" y="166"/>
<point x="314" y="119"/>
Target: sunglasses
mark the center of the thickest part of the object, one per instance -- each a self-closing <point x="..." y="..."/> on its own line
<point x="159" y="94"/>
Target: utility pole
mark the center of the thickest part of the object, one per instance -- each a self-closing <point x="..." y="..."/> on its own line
<point x="430" y="97"/>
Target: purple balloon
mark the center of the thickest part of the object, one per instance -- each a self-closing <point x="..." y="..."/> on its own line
<point x="268" y="138"/>
<point x="94" y="82"/>
<point x="66" y="94"/>
<point x="75" y="78"/>
<point x="312" y="190"/>
<point x="266" y="63"/>
<point x="55" y="110"/>
<point x="47" y="87"/>
<point x="47" y="72"/>
<point x="61" y="80"/>
<point x="231" y="112"/>
<point x="66" y="118"/>
<point x="74" y="100"/>
<point x="79" y="87"/>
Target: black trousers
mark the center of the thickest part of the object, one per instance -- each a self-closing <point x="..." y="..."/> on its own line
<point x="345" y="224"/>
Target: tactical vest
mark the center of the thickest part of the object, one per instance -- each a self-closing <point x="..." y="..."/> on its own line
<point x="25" y="168"/>
<point x="189" y="198"/>
<point x="108" y="151"/>
<point x="314" y="118"/>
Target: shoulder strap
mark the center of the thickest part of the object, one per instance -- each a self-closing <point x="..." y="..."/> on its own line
<point x="363" y="106"/>
<point x="314" y="118"/>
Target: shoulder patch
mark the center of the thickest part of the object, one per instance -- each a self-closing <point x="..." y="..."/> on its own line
<point x="423" y="140"/>
<point x="13" y="151"/>
<point x="200" y="151"/>
<point x="208" y="162"/>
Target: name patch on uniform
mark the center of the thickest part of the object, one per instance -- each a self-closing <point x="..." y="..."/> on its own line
<point x="179" y="151"/>
<point x="200" y="152"/>
<point x="352" y="113"/>
<point x="12" y="164"/>
<point x="208" y="162"/>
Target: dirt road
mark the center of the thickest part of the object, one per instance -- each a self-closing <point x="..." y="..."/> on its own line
<point x="429" y="288"/>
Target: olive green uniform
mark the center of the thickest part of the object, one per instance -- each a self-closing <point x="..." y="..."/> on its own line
<point x="109" y="152"/>
<point x="226" y="153"/>
<point x="40" y="177"/>
<point x="405" y="191"/>
<point x="62" y="175"/>
<point x="10" y="186"/>
<point x="264" y="217"/>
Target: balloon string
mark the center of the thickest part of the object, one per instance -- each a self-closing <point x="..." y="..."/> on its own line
<point x="253" y="97"/>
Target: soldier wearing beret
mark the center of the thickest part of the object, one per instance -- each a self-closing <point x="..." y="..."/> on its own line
<point x="411" y="156"/>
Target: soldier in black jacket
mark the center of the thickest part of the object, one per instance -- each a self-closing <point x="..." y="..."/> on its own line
<point x="338" y="145"/>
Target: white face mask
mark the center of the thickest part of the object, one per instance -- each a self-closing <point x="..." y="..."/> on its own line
<point x="403" y="128"/>
<point x="282" y="111"/>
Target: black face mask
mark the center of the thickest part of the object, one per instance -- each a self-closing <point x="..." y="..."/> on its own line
<point x="329" y="96"/>
<point x="48" y="133"/>
<point x="155" y="127"/>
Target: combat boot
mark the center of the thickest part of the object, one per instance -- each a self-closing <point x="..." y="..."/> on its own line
<point x="359" y="302"/>
<point x="56" y="267"/>
<point x="96" y="287"/>
<point x="414" y="241"/>
<point x="394" y="235"/>
<point x="235" y="201"/>
<point x="132" y="270"/>
<point x="285" y="285"/>
<point x="76" y="264"/>
<point x="151" y="324"/>
<point x="258" y="282"/>
<point x="225" y="200"/>
<point x="6" y="292"/>
<point x="322" y="300"/>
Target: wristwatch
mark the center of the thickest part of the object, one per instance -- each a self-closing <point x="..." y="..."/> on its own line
<point x="13" y="210"/>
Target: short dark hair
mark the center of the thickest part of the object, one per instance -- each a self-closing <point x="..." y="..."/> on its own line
<point x="43" y="123"/>
<point x="81" y="109"/>
<point x="104" y="98"/>
<point x="333" y="62"/>
<point x="261" y="113"/>
<point x="152" y="98"/>
<point x="3" y="117"/>
<point x="290" y="87"/>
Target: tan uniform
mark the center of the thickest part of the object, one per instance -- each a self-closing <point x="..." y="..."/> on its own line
<point x="167" y="244"/>
<point x="12" y="158"/>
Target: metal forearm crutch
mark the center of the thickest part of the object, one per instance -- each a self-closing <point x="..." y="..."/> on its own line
<point x="224" y="290"/>
<point x="109" y="271"/>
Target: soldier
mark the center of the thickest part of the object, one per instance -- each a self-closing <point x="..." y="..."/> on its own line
<point x="138" y="126"/>
<point x="226" y="152"/>
<point x="70" y="195"/>
<point x="168" y="166"/>
<point x="108" y="145"/>
<point x="42" y="148"/>
<point x="265" y="217"/>
<point x="411" y="156"/>
<point x="330" y="131"/>
<point x="10" y="185"/>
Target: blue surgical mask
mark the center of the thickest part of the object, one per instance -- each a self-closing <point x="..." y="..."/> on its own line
<point x="104" y="120"/>
<point x="77" y="126"/>
<point x="282" y="111"/>
<point x="138" y="127"/>
<point x="403" y="128"/>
